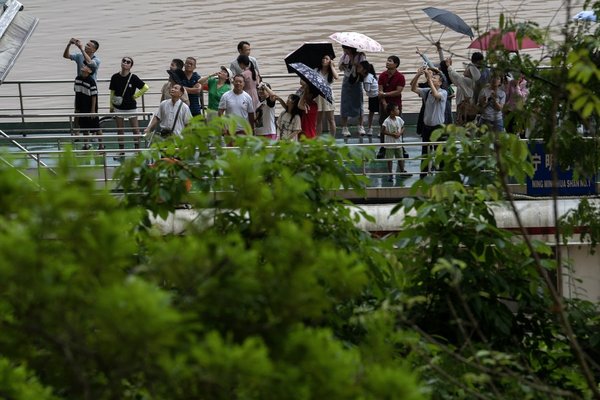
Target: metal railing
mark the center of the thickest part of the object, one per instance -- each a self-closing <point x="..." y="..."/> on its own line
<point x="19" y="99"/>
<point x="35" y="151"/>
<point x="104" y="162"/>
<point x="40" y="150"/>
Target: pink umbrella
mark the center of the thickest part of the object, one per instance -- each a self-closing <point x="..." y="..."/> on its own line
<point x="496" y="40"/>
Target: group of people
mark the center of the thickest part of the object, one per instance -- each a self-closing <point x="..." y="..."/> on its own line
<point x="238" y="90"/>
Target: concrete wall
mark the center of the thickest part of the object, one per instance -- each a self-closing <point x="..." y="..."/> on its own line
<point x="580" y="279"/>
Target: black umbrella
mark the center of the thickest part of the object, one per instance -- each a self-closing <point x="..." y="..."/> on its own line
<point x="176" y="75"/>
<point x="310" y="53"/>
<point x="314" y="79"/>
<point x="450" y="20"/>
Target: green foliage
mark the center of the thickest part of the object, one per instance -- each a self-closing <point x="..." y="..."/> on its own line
<point x="273" y="293"/>
<point x="585" y="221"/>
<point x="473" y="290"/>
<point x="17" y="383"/>
<point x="451" y="244"/>
<point x="255" y="301"/>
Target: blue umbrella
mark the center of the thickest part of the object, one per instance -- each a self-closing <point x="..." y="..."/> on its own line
<point x="450" y="20"/>
<point x="313" y="79"/>
<point x="585" y="15"/>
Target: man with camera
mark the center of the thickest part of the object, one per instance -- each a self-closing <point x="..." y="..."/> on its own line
<point x="434" y="98"/>
<point x="172" y="115"/>
<point x="86" y="55"/>
<point x="491" y="101"/>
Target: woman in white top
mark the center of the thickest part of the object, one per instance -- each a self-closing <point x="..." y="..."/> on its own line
<point x="368" y="77"/>
<point x="326" y="109"/>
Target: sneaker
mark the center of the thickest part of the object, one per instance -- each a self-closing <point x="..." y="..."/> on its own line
<point x="370" y="132"/>
<point x="361" y="130"/>
<point x="86" y="147"/>
<point x="345" y="132"/>
<point x="120" y="157"/>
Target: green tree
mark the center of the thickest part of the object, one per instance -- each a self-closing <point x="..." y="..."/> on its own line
<point x="255" y="301"/>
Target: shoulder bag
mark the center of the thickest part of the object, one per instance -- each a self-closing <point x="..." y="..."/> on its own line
<point x="118" y="100"/>
<point x="166" y="132"/>
<point x="466" y="111"/>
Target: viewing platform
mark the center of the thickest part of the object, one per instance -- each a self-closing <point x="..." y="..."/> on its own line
<point x="37" y="124"/>
<point x="38" y="128"/>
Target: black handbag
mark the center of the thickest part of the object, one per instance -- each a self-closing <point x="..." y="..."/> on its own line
<point x="166" y="132"/>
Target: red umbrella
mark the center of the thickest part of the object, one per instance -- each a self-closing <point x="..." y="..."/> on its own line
<point x="495" y="39"/>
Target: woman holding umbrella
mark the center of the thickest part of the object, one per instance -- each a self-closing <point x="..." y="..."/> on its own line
<point x="326" y="109"/>
<point x="352" y="93"/>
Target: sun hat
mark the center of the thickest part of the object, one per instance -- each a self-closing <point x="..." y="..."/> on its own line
<point x="229" y="73"/>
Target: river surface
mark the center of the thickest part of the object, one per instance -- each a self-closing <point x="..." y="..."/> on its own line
<point x="153" y="32"/>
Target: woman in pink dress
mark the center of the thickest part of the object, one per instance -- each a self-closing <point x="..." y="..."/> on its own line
<point x="251" y="78"/>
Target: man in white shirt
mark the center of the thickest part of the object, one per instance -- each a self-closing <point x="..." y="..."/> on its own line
<point x="239" y="103"/>
<point x="172" y="115"/>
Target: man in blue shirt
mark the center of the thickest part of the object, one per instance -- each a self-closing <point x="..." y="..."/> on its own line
<point x="189" y="81"/>
<point x="86" y="55"/>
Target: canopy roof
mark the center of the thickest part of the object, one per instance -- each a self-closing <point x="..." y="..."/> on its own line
<point x="15" y="29"/>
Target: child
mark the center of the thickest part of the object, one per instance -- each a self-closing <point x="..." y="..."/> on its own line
<point x="264" y="123"/>
<point x="288" y="123"/>
<point x="86" y="101"/>
<point x="393" y="129"/>
<point x="368" y="77"/>
<point x="310" y="109"/>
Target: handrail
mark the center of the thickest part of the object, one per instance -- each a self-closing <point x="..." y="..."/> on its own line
<point x="74" y="114"/>
<point x="149" y="102"/>
<point x="24" y="175"/>
<point x="27" y="152"/>
<point x="107" y="165"/>
<point x="38" y="99"/>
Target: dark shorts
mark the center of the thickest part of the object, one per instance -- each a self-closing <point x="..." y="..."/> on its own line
<point x="427" y="131"/>
<point x="89" y="123"/>
<point x="374" y="104"/>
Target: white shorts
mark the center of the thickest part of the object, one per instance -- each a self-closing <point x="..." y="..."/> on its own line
<point x="125" y="113"/>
